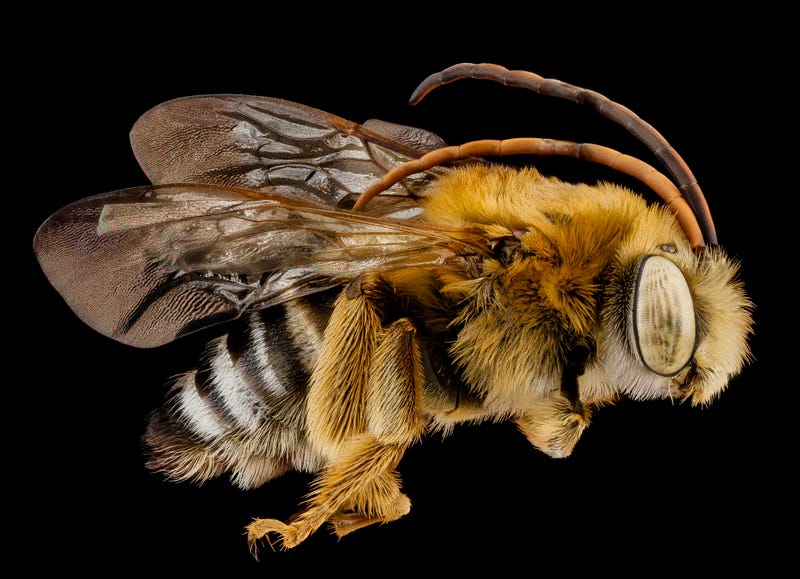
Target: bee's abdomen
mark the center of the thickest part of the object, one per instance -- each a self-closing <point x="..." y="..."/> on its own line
<point x="242" y="411"/>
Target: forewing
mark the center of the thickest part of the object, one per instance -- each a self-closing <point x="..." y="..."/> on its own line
<point x="147" y="265"/>
<point x="276" y="146"/>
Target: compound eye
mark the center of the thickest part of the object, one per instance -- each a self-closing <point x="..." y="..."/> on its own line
<point x="662" y="317"/>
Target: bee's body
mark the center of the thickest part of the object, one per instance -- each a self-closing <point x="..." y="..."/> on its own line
<point x="485" y="352"/>
<point x="468" y="293"/>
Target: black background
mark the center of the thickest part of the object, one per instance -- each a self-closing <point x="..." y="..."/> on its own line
<point x="650" y="485"/>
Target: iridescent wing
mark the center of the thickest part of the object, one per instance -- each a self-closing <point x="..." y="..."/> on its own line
<point x="147" y="265"/>
<point x="246" y="213"/>
<point x="265" y="144"/>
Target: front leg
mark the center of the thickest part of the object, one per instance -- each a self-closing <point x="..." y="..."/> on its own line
<point x="555" y="424"/>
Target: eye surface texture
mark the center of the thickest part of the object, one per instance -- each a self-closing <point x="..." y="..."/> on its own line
<point x="662" y="317"/>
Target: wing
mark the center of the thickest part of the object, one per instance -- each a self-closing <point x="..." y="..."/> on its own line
<point x="261" y="223"/>
<point x="147" y="265"/>
<point x="273" y="145"/>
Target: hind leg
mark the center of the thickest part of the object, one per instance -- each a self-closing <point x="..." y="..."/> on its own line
<point x="360" y="487"/>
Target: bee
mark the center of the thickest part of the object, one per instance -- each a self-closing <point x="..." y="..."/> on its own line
<point x="371" y="286"/>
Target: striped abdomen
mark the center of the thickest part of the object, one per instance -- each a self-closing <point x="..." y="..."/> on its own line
<point x="242" y="411"/>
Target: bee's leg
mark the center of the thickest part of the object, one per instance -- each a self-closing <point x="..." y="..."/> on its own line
<point x="555" y="424"/>
<point x="394" y="422"/>
<point x="362" y="476"/>
<point x="364" y="411"/>
<point x="380" y="504"/>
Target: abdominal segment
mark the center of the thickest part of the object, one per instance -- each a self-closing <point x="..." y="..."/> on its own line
<point x="242" y="411"/>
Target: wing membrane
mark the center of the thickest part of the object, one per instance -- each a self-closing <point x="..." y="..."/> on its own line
<point x="265" y="144"/>
<point x="261" y="221"/>
<point x="147" y="265"/>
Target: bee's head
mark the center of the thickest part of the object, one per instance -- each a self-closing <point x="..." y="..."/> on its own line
<point x="674" y="322"/>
